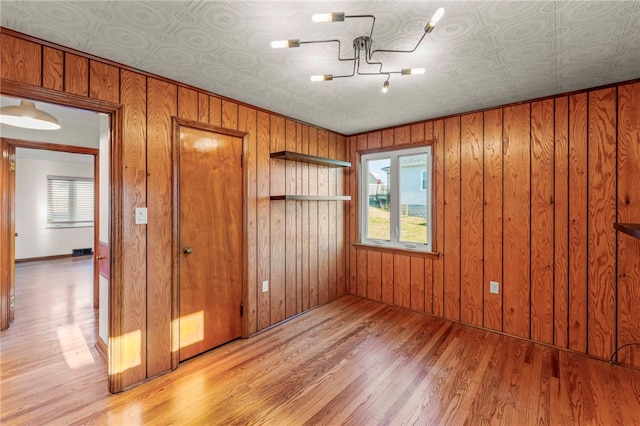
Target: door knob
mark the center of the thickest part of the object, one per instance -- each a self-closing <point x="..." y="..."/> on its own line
<point x="16" y="234"/>
<point x="99" y="257"/>
<point x="187" y="250"/>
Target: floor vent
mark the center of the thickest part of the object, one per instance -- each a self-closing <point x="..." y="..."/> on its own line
<point x="81" y="252"/>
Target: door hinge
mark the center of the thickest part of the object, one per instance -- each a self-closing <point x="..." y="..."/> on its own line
<point x="241" y="309"/>
<point x="12" y="166"/>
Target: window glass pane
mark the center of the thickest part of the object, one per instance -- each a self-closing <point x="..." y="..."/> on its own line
<point x="379" y="215"/>
<point x="413" y="198"/>
<point x="69" y="200"/>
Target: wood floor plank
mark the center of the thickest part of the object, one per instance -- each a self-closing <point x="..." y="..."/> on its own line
<point x="352" y="361"/>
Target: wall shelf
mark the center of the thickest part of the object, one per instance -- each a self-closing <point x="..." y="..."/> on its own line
<point x="632" y="229"/>
<point x="312" y="197"/>
<point x="304" y="158"/>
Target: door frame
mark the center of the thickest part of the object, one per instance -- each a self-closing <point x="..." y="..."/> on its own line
<point x="11" y="88"/>
<point x="44" y="146"/>
<point x="176" y="124"/>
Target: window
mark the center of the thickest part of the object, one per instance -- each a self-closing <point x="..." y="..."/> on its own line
<point x="395" y="198"/>
<point x="69" y="201"/>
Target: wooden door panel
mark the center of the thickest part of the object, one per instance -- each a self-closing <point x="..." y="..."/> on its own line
<point x="210" y="288"/>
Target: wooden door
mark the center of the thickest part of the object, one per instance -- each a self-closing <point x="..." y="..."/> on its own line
<point x="210" y="239"/>
<point x="12" y="232"/>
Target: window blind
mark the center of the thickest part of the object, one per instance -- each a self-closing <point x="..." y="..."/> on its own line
<point x="69" y="200"/>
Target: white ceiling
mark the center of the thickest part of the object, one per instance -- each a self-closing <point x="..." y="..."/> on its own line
<point x="481" y="54"/>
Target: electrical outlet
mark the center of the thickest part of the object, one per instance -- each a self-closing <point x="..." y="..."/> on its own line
<point x="494" y="287"/>
<point x="265" y="286"/>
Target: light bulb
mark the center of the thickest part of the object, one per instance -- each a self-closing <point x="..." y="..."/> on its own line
<point x="410" y="71"/>
<point x="325" y="77"/>
<point x="434" y="20"/>
<point x="385" y="87"/>
<point x="280" y="44"/>
<point x="328" y="17"/>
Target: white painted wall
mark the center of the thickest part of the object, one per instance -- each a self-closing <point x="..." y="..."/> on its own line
<point x="103" y="319"/>
<point x="34" y="238"/>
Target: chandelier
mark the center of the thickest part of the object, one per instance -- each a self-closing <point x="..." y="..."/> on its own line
<point x="363" y="50"/>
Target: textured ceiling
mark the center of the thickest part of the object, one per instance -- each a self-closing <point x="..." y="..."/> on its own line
<point x="481" y="54"/>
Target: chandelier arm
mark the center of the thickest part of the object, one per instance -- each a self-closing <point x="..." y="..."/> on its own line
<point x="330" y="41"/>
<point x="400" y="51"/>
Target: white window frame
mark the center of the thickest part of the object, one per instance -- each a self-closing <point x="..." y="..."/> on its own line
<point x="395" y="207"/>
<point x="70" y="221"/>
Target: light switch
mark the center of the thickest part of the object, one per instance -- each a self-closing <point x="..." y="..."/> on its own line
<point x="141" y="215"/>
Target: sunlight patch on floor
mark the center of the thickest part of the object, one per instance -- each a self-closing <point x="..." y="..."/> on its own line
<point x="74" y="348"/>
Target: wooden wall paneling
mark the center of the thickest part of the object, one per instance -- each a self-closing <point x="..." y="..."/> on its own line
<point x="306" y="242"/>
<point x="418" y="132"/>
<point x="362" y="290"/>
<point x="387" y="278"/>
<point x="542" y="161"/>
<point x="353" y="214"/>
<point x="374" y="140"/>
<point x="5" y="234"/>
<point x="229" y="114"/>
<point x="452" y="236"/>
<point x="341" y="218"/>
<point x="76" y="74"/>
<point x="104" y="82"/>
<point x="578" y="241"/>
<point x="516" y="149"/>
<point x="215" y="111"/>
<point x="162" y="106"/>
<point x="402" y="135"/>
<point x="492" y="152"/>
<point x="203" y="107"/>
<point x="387" y="137"/>
<point x="300" y="229"/>
<point x="134" y="266"/>
<point x="53" y="69"/>
<point x="21" y="60"/>
<point x="187" y="103"/>
<point x="402" y="280"/>
<point x="374" y="274"/>
<point x="247" y="122"/>
<point x="313" y="220"/>
<point x="561" y="224"/>
<point x="471" y="216"/>
<point x="263" y="171"/>
<point x="602" y="214"/>
<point x="333" y="217"/>
<point x="291" y="231"/>
<point x="417" y="283"/>
<point x="277" y="242"/>
<point x="323" y="221"/>
<point x="438" y="184"/>
<point x="628" y="212"/>
<point x="428" y="286"/>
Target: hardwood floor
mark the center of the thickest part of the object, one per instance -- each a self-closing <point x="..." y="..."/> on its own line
<point x="352" y="361"/>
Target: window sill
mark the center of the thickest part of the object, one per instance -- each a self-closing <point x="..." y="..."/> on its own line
<point x="396" y="250"/>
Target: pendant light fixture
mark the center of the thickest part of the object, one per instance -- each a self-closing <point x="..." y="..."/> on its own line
<point x="362" y="48"/>
<point x="27" y="116"/>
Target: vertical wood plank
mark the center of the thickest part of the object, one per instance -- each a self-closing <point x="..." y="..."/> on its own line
<point x="104" y="82"/>
<point x="561" y="224"/>
<point x="162" y="106"/>
<point x="602" y="213"/>
<point x="452" y="218"/>
<point x="417" y="284"/>
<point x="438" y="180"/>
<point x="290" y="223"/>
<point x="134" y="267"/>
<point x="229" y="114"/>
<point x="516" y="145"/>
<point x="628" y="212"/>
<point x="323" y="221"/>
<point x="203" y="107"/>
<point x="187" y="103"/>
<point x="402" y="135"/>
<point x="21" y="60"/>
<point x="402" y="280"/>
<point x="387" y="278"/>
<point x="362" y="273"/>
<point x="418" y="133"/>
<point x="277" y="243"/>
<point x="247" y="122"/>
<point x="331" y="229"/>
<point x="387" y="138"/>
<point x="374" y="274"/>
<point x="353" y="214"/>
<point x="471" y="165"/>
<point x="578" y="241"/>
<point x="428" y="286"/>
<point x="492" y="150"/>
<point x="215" y="111"/>
<point x="300" y="229"/>
<point x="306" y="242"/>
<point x="53" y="69"/>
<point x="313" y="221"/>
<point x="341" y="219"/>
<point x="374" y="140"/>
<point x="76" y="74"/>
<point x="264" y="220"/>
<point x="542" y="161"/>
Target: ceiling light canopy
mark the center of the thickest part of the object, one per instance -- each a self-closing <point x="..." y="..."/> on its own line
<point x="27" y="116"/>
<point x="362" y="48"/>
